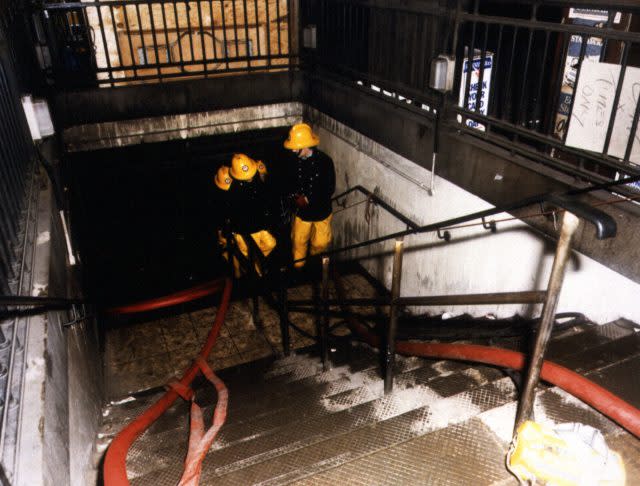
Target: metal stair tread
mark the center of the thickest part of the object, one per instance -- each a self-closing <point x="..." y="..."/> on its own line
<point x="409" y="461"/>
<point x="592" y="338"/>
<point x="281" y="479"/>
<point x="246" y="404"/>
<point x="282" y="403"/>
<point x="340" y="402"/>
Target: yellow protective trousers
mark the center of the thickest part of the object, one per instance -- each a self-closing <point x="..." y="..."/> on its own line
<point x="264" y="240"/>
<point x="316" y="234"/>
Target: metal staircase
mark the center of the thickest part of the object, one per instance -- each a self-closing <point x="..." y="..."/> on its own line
<point x="445" y="422"/>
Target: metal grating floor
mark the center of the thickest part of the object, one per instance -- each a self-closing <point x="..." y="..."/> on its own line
<point x="445" y="423"/>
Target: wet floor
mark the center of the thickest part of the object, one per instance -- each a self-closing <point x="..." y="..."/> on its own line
<point x="149" y="352"/>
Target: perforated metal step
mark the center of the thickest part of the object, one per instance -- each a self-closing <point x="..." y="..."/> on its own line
<point x="445" y="423"/>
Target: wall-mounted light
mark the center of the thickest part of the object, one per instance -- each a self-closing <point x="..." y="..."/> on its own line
<point x="442" y="71"/>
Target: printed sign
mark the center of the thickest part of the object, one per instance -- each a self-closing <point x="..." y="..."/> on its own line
<point x="589" y="14"/>
<point x="478" y="95"/>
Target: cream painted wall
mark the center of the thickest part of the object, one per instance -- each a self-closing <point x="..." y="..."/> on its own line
<point x="516" y="258"/>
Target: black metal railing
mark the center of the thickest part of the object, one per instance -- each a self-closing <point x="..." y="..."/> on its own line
<point x="573" y="210"/>
<point x="16" y="164"/>
<point x="378" y="44"/>
<point x="114" y="43"/>
<point x="537" y="78"/>
<point x="552" y="82"/>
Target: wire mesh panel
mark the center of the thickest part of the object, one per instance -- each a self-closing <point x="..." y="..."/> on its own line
<point x="122" y="42"/>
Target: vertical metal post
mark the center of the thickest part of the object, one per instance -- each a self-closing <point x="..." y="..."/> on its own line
<point x="255" y="311"/>
<point x="284" y="313"/>
<point x="324" y="323"/>
<point x="569" y="225"/>
<point x="390" y="355"/>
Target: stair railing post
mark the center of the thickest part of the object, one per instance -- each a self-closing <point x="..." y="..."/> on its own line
<point x="390" y="352"/>
<point x="324" y="324"/>
<point x="570" y="223"/>
<point x="284" y="313"/>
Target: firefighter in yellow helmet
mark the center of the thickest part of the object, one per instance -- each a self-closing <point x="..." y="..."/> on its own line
<point x="314" y="181"/>
<point x="223" y="182"/>
<point x="223" y="178"/>
<point x="248" y="205"/>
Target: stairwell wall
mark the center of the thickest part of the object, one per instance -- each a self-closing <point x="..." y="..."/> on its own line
<point x="517" y="258"/>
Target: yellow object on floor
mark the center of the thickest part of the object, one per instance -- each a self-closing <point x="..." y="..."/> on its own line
<point x="567" y="455"/>
<point x="264" y="240"/>
<point x="317" y="234"/>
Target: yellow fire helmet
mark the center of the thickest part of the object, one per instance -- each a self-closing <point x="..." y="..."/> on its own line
<point x="301" y="136"/>
<point x="223" y="179"/>
<point x="262" y="169"/>
<point x="243" y="167"/>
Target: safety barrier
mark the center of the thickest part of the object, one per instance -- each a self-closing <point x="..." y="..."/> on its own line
<point x="517" y="69"/>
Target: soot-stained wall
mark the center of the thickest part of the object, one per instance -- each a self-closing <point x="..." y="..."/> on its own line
<point x="518" y="257"/>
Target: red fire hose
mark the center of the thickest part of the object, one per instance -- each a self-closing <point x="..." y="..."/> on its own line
<point x="208" y="288"/>
<point x="618" y="410"/>
<point x="115" y="472"/>
<point x="115" y="469"/>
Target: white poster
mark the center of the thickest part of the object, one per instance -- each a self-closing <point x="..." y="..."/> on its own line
<point x="593" y="105"/>
<point x="624" y="117"/>
<point x="478" y="95"/>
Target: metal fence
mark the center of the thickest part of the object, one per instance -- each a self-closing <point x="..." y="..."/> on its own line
<point x="378" y="43"/>
<point x="553" y="82"/>
<point x="16" y="155"/>
<point x="113" y="43"/>
<point x="545" y="80"/>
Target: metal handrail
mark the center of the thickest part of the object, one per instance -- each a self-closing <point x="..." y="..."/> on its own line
<point x="558" y="199"/>
<point x="574" y="210"/>
<point x="380" y="202"/>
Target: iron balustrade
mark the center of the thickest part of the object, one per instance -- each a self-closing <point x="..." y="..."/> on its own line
<point x="529" y="61"/>
<point x="384" y="46"/>
<point x="16" y="167"/>
<point x="115" y="43"/>
<point x="522" y="99"/>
